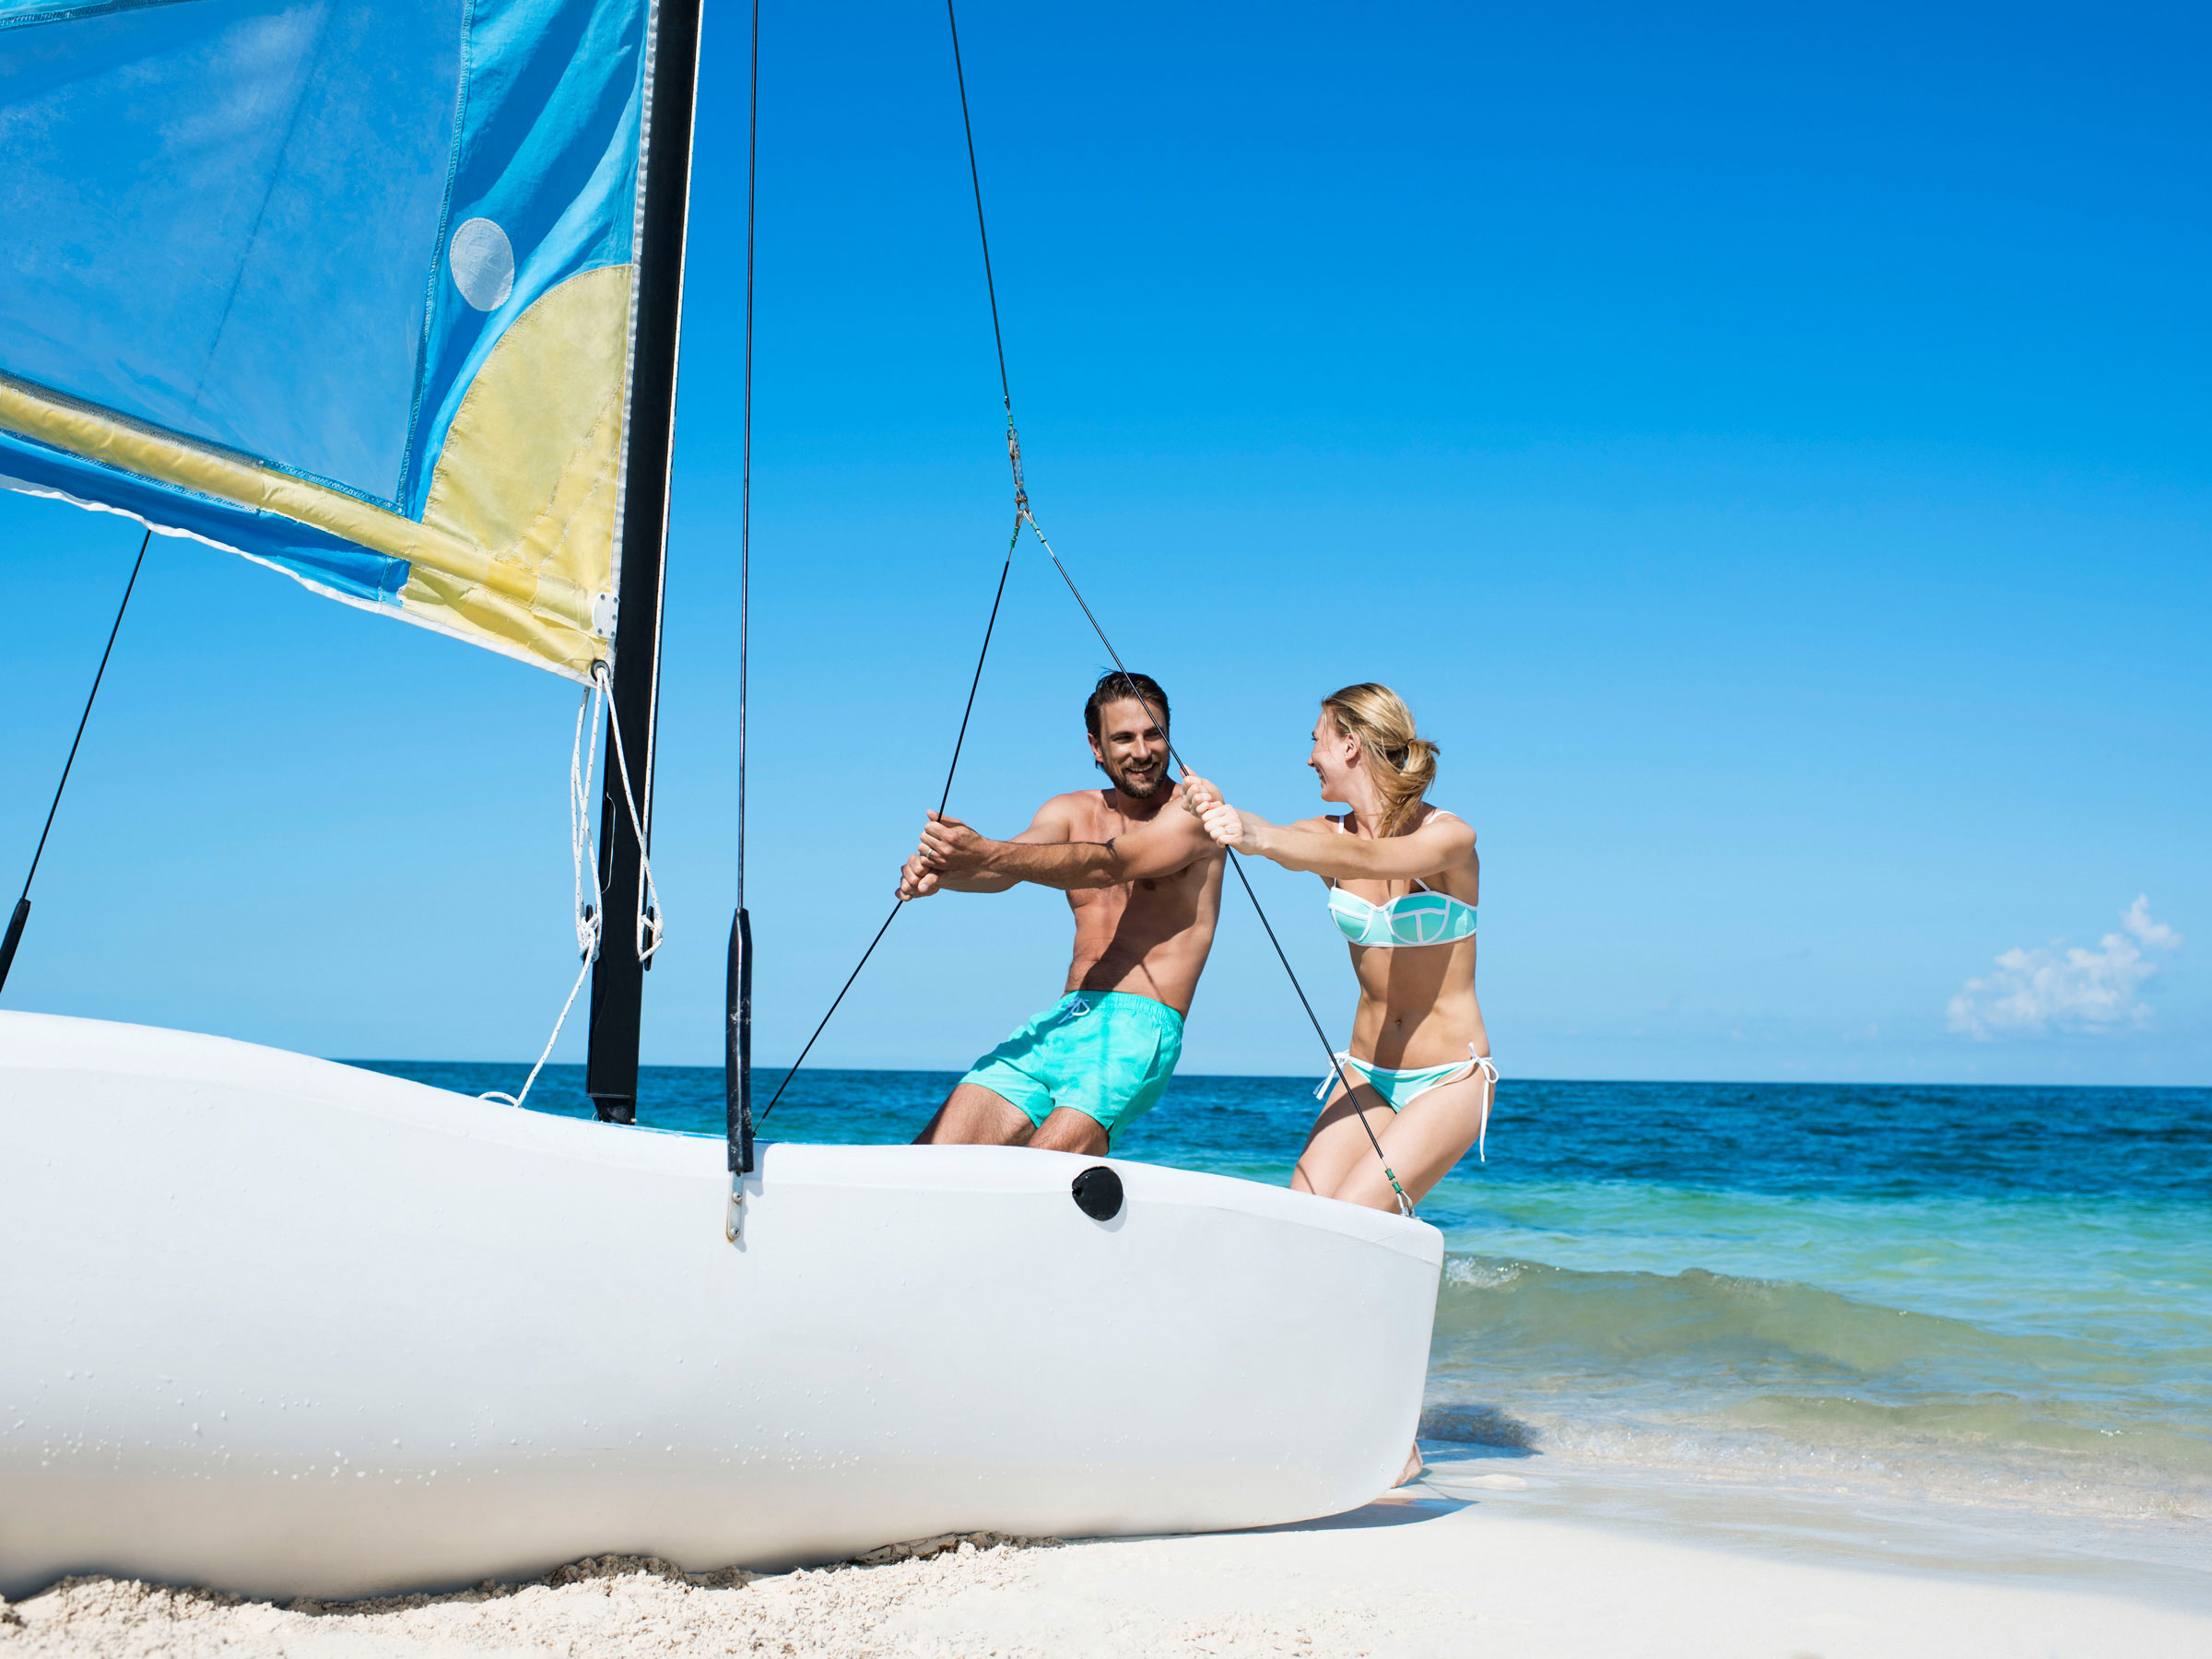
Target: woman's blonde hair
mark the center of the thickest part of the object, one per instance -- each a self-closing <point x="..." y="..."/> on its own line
<point x="1401" y="763"/>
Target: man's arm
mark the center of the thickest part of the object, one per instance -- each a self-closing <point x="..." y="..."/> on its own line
<point x="1167" y="844"/>
<point x="925" y="872"/>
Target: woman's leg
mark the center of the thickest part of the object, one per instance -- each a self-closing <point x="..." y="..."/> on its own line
<point x="1421" y="1143"/>
<point x="1336" y="1141"/>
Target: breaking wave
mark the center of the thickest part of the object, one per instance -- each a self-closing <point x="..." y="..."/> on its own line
<point x="1712" y="1370"/>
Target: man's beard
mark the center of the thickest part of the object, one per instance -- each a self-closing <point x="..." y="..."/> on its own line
<point x="1138" y="789"/>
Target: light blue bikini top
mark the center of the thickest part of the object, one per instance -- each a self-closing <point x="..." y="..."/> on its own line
<point x="1420" y="917"/>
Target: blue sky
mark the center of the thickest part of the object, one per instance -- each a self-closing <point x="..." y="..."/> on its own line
<point x="1766" y="447"/>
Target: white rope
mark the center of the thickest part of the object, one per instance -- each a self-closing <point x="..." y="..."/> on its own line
<point x="649" y="898"/>
<point x="582" y="853"/>
<point x="581" y="856"/>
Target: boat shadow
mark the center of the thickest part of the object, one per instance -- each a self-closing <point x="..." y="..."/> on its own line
<point x="1462" y="1433"/>
<point x="1392" y="1509"/>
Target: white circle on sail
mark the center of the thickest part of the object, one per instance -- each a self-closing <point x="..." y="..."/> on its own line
<point x="483" y="261"/>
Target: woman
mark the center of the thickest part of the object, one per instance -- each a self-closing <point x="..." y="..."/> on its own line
<point x="1402" y="881"/>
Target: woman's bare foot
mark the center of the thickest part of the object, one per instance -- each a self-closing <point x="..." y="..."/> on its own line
<point x="1412" y="1471"/>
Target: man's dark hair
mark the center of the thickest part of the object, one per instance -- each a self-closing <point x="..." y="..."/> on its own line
<point x="1115" y="686"/>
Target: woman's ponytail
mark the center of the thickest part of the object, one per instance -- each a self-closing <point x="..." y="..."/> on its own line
<point x="1401" y="762"/>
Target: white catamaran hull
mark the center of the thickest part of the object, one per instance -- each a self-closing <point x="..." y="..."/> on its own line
<point x="286" y="1327"/>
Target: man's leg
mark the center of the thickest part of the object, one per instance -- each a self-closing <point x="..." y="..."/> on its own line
<point x="1067" y="1130"/>
<point x="1112" y="1064"/>
<point x="974" y="1116"/>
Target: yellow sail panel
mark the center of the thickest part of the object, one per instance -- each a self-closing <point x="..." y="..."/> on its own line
<point x="531" y="472"/>
<point x="516" y="544"/>
<point x="346" y="286"/>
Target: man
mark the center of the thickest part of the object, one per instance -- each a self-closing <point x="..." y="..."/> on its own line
<point x="1144" y="884"/>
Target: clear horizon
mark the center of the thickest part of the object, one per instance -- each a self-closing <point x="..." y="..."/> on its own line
<point x="1769" y="452"/>
<point x="767" y="1074"/>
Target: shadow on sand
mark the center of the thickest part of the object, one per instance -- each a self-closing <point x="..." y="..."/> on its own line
<point x="1392" y="1509"/>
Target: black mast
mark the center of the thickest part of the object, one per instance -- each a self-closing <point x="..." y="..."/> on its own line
<point x="618" y="977"/>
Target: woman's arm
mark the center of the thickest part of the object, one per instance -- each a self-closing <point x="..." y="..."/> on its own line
<point x="1443" y="843"/>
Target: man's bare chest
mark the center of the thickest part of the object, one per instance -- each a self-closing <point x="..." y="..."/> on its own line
<point x="1107" y="827"/>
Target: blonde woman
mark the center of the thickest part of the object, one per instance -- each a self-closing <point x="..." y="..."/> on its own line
<point x="1403" y="881"/>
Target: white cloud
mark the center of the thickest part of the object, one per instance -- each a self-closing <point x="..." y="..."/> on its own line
<point x="2056" y="988"/>
<point x="2137" y="922"/>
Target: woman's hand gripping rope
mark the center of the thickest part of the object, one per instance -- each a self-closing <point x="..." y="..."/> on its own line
<point x="1241" y="833"/>
<point x="1238" y="831"/>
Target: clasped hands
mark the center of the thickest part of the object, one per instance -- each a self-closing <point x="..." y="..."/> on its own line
<point x="1228" y="827"/>
<point x="948" y="848"/>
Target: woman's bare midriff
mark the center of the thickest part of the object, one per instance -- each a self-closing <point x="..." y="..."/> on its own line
<point x="1417" y="1005"/>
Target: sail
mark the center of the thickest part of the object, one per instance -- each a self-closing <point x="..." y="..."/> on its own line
<point x="347" y="286"/>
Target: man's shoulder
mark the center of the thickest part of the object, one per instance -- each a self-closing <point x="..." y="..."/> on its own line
<point x="1093" y="815"/>
<point x="1080" y="815"/>
<point x="1075" y="803"/>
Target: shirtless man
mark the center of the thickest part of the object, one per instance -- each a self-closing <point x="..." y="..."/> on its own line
<point x="1145" y="885"/>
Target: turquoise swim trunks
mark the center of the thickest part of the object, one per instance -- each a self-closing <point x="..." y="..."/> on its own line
<point x="1107" y="1053"/>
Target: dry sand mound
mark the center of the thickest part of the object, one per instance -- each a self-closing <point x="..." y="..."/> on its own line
<point x="613" y="1607"/>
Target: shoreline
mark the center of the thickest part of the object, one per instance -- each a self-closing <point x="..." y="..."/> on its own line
<point x="1501" y="1552"/>
<point x="1863" y="1526"/>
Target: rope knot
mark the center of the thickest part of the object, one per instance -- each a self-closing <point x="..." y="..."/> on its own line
<point x="1021" y="493"/>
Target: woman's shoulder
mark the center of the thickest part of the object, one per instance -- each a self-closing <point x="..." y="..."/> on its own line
<point x="1447" y="829"/>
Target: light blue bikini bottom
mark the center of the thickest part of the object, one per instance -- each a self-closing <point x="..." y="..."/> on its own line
<point x="1399" y="1089"/>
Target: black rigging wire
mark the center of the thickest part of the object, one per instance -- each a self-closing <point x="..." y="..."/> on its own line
<point x="1020" y="511"/>
<point x="958" y="743"/>
<point x="983" y="234"/>
<point x="737" y="987"/>
<point x="976" y="178"/>
<point x="22" y="912"/>
<point x="1021" y="515"/>
<point x="745" y="510"/>
<point x="1336" y="1066"/>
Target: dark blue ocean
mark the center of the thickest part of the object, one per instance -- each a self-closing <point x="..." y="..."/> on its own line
<point x="1988" y="1295"/>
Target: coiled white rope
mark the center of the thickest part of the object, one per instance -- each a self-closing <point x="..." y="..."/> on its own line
<point x="582" y="853"/>
<point x="583" y="856"/>
<point x="649" y="898"/>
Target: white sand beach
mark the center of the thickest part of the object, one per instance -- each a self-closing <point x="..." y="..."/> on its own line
<point x="1534" y="1560"/>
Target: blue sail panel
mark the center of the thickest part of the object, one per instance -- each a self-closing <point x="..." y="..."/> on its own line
<point x="343" y="285"/>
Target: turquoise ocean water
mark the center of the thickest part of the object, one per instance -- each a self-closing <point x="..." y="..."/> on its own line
<point x="1985" y="1295"/>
